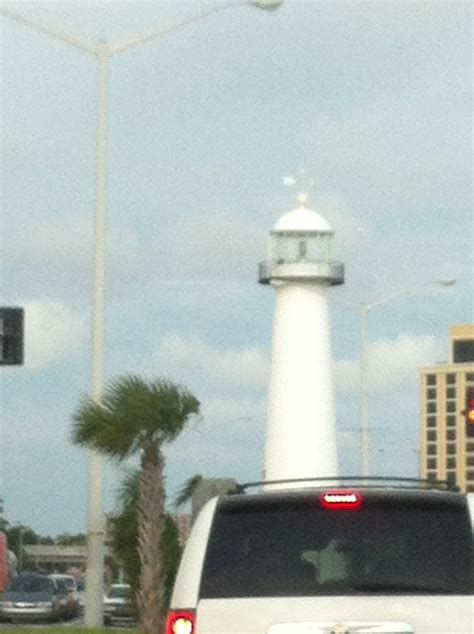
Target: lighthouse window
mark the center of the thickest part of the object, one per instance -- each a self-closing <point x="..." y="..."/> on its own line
<point x="302" y="248"/>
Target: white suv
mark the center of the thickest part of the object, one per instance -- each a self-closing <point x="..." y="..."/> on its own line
<point x="329" y="560"/>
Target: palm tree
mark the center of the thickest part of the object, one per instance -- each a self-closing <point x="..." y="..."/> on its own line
<point x="188" y="489"/>
<point x="139" y="417"/>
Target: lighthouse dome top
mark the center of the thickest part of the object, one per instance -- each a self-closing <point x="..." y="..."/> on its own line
<point x="301" y="218"/>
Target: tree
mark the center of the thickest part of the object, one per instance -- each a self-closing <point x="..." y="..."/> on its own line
<point x="186" y="492"/>
<point x="19" y="536"/>
<point x="66" y="539"/>
<point x="124" y="532"/>
<point x="140" y="417"/>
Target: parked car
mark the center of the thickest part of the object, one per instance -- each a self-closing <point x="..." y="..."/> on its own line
<point x="118" y="603"/>
<point x="68" y="586"/>
<point x="370" y="557"/>
<point x="33" y="597"/>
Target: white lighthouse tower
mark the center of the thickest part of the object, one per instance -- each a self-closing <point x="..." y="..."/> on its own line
<point x="301" y="439"/>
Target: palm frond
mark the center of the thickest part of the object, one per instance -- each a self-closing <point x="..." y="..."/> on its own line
<point x="128" y="491"/>
<point x="133" y="414"/>
<point x="186" y="492"/>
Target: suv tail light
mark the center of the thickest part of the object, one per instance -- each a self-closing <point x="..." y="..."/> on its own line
<point x="341" y="499"/>
<point x="181" y="622"/>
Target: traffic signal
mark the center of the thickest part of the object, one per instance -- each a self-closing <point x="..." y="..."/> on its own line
<point x="469" y="412"/>
<point x="11" y="335"/>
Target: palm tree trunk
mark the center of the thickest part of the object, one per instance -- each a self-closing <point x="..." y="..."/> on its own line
<point x="151" y="595"/>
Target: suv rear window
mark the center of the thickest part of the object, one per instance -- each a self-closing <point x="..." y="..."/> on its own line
<point x="277" y="545"/>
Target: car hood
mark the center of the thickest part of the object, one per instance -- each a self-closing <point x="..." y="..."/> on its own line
<point x="26" y="597"/>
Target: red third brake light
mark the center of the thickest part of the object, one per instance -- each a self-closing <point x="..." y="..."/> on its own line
<point x="341" y="499"/>
<point x="181" y="622"/>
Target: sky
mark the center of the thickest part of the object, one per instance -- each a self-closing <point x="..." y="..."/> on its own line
<point x="373" y="100"/>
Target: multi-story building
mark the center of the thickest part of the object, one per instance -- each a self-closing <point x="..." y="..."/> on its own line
<point x="446" y="439"/>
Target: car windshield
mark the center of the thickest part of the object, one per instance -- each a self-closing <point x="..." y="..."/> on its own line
<point x="299" y="548"/>
<point x="66" y="582"/>
<point x="119" y="592"/>
<point x="30" y="584"/>
<point x="62" y="584"/>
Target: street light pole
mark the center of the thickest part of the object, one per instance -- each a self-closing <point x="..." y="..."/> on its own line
<point x="363" y="310"/>
<point x="364" y="389"/>
<point x="96" y="520"/>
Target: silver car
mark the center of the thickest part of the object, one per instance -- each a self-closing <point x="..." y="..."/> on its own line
<point x="67" y="585"/>
<point x="117" y="603"/>
<point x="33" y="597"/>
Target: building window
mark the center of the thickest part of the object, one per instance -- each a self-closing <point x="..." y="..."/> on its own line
<point x="470" y="446"/>
<point x="431" y="421"/>
<point x="431" y="407"/>
<point x="451" y="477"/>
<point x="451" y="406"/>
<point x="470" y="474"/>
<point x="431" y="393"/>
<point x="470" y="488"/>
<point x="451" y="449"/>
<point x="470" y="461"/>
<point x="451" y="392"/>
<point x="432" y="463"/>
<point x="450" y="434"/>
<point x="431" y="475"/>
<point x="470" y="377"/>
<point x="451" y="379"/>
<point x="431" y="379"/>
<point x="450" y="421"/>
<point x="431" y="435"/>
<point x="432" y="450"/>
<point x="463" y="351"/>
<point x="451" y="463"/>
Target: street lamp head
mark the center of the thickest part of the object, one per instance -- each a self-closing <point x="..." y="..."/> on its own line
<point x="266" y="5"/>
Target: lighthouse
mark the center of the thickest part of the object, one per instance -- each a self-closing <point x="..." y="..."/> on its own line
<point x="300" y="436"/>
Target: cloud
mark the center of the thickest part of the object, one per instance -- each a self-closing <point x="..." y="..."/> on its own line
<point x="193" y="359"/>
<point x="380" y="154"/>
<point x="52" y="331"/>
<point x="56" y="252"/>
<point x="352" y="232"/>
<point x="390" y="362"/>
<point x="217" y="244"/>
<point x="227" y="442"/>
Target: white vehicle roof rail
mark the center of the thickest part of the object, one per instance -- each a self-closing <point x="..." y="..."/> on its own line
<point x="359" y="481"/>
